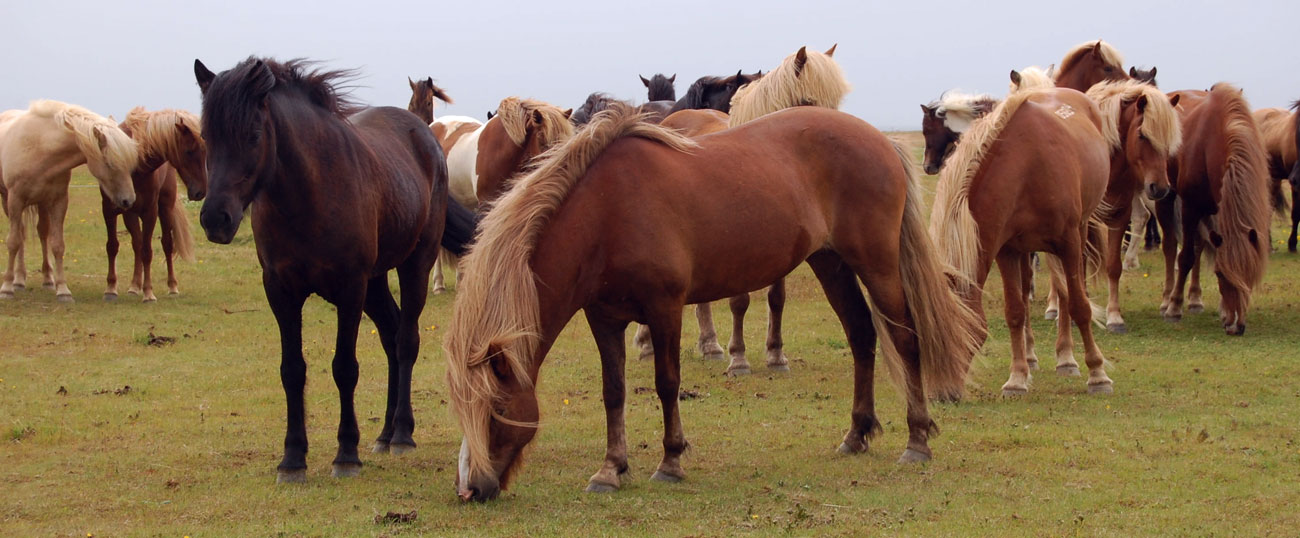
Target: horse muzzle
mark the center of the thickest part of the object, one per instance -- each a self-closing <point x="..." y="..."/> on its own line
<point x="931" y="168"/>
<point x="219" y="224"/>
<point x="1156" y="192"/>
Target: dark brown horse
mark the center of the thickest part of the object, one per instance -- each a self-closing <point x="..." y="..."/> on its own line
<point x="422" y="95"/>
<point x="945" y="119"/>
<point x="713" y="92"/>
<point x="630" y="222"/>
<point x="1221" y="179"/>
<point x="343" y="195"/>
<point x="660" y="88"/>
<point x="169" y="143"/>
<point x="598" y="101"/>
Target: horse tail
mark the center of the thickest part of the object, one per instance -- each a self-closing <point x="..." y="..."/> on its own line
<point x="459" y="232"/>
<point x="182" y="236"/>
<point x="1243" y="219"/>
<point x="948" y="331"/>
<point x="1280" y="205"/>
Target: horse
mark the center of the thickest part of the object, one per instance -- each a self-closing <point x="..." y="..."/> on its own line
<point x="1089" y="63"/>
<point x="1028" y="177"/>
<point x="715" y="93"/>
<point x="660" y="88"/>
<point x="1221" y="179"/>
<point x="598" y="101"/>
<point x="696" y="122"/>
<point x="39" y="147"/>
<point x="1277" y="127"/>
<point x="521" y="130"/>
<point x="1030" y="78"/>
<point x="1147" y="76"/>
<point x="422" y="96"/>
<point x="629" y="221"/>
<point x="340" y="194"/>
<point x="943" y="121"/>
<point x="169" y="143"/>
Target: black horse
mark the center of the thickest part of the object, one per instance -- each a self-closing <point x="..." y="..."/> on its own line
<point x="713" y="93"/>
<point x="660" y="88"/>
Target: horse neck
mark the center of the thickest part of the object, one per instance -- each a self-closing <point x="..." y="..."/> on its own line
<point x="305" y="136"/>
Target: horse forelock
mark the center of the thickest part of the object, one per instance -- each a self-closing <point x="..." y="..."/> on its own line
<point x="818" y="82"/>
<point x="231" y="104"/>
<point x="1109" y="55"/>
<point x="1160" y="123"/>
<point x="119" y="152"/>
<point x="496" y="313"/>
<point x="156" y="132"/>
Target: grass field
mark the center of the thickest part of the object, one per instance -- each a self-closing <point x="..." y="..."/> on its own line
<point x="1202" y="435"/>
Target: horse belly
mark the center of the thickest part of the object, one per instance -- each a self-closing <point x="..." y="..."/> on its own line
<point x="462" y="175"/>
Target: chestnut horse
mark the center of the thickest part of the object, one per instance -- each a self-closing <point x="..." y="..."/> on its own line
<point x="1222" y="184"/>
<point x="521" y="130"/>
<point x="340" y="195"/>
<point x="1028" y="178"/>
<point x="169" y="143"/>
<point x="1278" y="128"/>
<point x="629" y="221"/>
<point x="696" y="122"/>
<point x="422" y="96"/>
<point x="39" y="147"/>
<point x="1089" y="63"/>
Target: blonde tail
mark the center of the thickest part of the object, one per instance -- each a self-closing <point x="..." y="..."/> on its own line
<point x="182" y="236"/>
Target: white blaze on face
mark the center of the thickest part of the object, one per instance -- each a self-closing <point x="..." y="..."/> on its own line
<point x="462" y="481"/>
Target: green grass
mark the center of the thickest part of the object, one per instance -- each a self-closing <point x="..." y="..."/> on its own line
<point x="1200" y="438"/>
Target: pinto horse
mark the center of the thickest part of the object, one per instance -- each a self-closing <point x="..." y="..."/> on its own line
<point x="169" y="143"/>
<point x="342" y="194"/>
<point x="1028" y="178"/>
<point x="1221" y="179"/>
<point x="629" y="221"/>
<point x="660" y="88"/>
<point x="1278" y="128"/>
<point x="39" y="147"/>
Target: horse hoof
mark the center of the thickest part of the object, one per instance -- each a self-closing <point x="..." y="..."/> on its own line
<point x="19" y="287"/>
<point x="1050" y="315"/>
<point x="661" y="476"/>
<point x="1101" y="388"/>
<point x="1117" y="328"/>
<point x="913" y="456"/>
<point x="110" y="297"/>
<point x="737" y="372"/>
<point x="48" y="285"/>
<point x="601" y="487"/>
<point x="438" y="291"/>
<point x="133" y="292"/>
<point x="296" y="476"/>
<point x="647" y="355"/>
<point x="715" y="355"/>
<point x="379" y="448"/>
<point x="6" y="295"/>
<point x="1012" y="392"/>
<point x="1068" y="370"/>
<point x="778" y="367"/>
<point x="65" y="298"/>
<point x="173" y="293"/>
<point x="398" y="450"/>
<point x="347" y="470"/>
<point x="847" y="449"/>
<point x="150" y="299"/>
<point x="1195" y="308"/>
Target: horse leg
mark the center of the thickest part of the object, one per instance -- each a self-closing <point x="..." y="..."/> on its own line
<point x="14" y="242"/>
<point x="111" y="247"/>
<point x="845" y="296"/>
<point x="1010" y="265"/>
<point x="286" y="304"/>
<point x="1137" y="226"/>
<point x="144" y="253"/>
<point x="52" y="218"/>
<point x="776" y="359"/>
<point x="438" y="285"/>
<point x="1115" y="269"/>
<point x="1295" y="216"/>
<point x="349" y="302"/>
<point x="1167" y="216"/>
<point x="1027" y="284"/>
<point x="43" y="234"/>
<point x="642" y="341"/>
<point x="1065" y="363"/>
<point x="1053" y="300"/>
<point x="413" y="281"/>
<point x="1152" y="228"/>
<point x="1187" y="258"/>
<point x="383" y="311"/>
<point x="166" y="235"/>
<point x="1081" y="311"/>
<point x="1195" y="305"/>
<point x="666" y="331"/>
<point x="609" y="334"/>
<point x="708" y="344"/>
<point x="132" y="223"/>
<point x="738" y="366"/>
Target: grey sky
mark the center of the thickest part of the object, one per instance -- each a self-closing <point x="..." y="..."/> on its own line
<point x="110" y="56"/>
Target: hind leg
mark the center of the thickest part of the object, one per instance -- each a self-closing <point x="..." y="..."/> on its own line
<point x="144" y="254"/>
<point x="346" y="371"/>
<point x="1295" y="217"/>
<point x="609" y="334"/>
<point x="1053" y="302"/>
<point x="438" y="285"/>
<point x="1065" y="363"/>
<point x="1195" y="303"/>
<point x="413" y="279"/>
<point x="43" y="233"/>
<point x="1167" y="216"/>
<point x="845" y="296"/>
<point x="738" y="366"/>
<point x="132" y="223"/>
<point x="776" y="359"/>
<point x="55" y="214"/>
<point x="167" y="229"/>
<point x="1081" y="311"/>
<point x="642" y="341"/>
<point x="1010" y="265"/>
<point x="1115" y="269"/>
<point x="1027" y="280"/>
<point x="14" y="244"/>
<point x="383" y="311"/>
<point x="1137" y="224"/>
<point x="708" y="345"/>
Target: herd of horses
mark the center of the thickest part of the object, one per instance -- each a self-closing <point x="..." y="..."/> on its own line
<point x="629" y="212"/>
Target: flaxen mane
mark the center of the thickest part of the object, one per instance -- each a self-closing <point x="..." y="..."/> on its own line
<point x="1160" y="123"/>
<point x="1032" y="78"/>
<point x="516" y="116"/>
<point x="1109" y="55"/>
<point x="496" y="310"/>
<point x="960" y="110"/>
<point x="1245" y="200"/>
<point x="156" y="133"/>
<point x="119" y="152"/>
<point x="819" y="81"/>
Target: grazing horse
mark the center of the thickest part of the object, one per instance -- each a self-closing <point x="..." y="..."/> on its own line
<point x="945" y="119"/>
<point x="1148" y="134"/>
<point x="422" y="95"/>
<point x="170" y="144"/>
<point x="1277" y="127"/>
<point x="39" y="147"/>
<point x="629" y="221"/>
<point x="1028" y="178"/>
<point x="1089" y="63"/>
<point x="340" y="195"/>
<point x="713" y="93"/>
<point x="1221" y="181"/>
<point x="660" y="88"/>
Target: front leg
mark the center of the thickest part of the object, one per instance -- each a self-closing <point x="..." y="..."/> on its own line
<point x="346" y="462"/>
<point x="665" y="329"/>
<point x="708" y="346"/>
<point x="609" y="335"/>
<point x="1114" y="270"/>
<point x="739" y="365"/>
<point x="144" y="254"/>
<point x="111" y="247"/>
<point x="776" y="359"/>
<point x="383" y="311"/>
<point x="286" y="303"/>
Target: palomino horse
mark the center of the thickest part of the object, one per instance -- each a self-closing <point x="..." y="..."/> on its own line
<point x="713" y="93"/>
<point x="660" y="88"/>
<point x="1027" y="178"/>
<point x="422" y="96"/>
<point x="1221" y="181"/>
<point x="629" y="221"/>
<point x="169" y="143"/>
<point x="342" y="194"/>
<point x="1277" y="127"/>
<point x="39" y="147"/>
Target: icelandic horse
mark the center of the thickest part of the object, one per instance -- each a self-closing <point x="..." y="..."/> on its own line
<point x="1221" y="178"/>
<point x="422" y="104"/>
<point x="169" y="144"/>
<point x="1277" y="128"/>
<point x="39" y="147"/>
<point x="660" y="88"/>
<point x="803" y="79"/>
<point x="1028" y="177"/>
<point x="946" y="118"/>
<point x="629" y="221"/>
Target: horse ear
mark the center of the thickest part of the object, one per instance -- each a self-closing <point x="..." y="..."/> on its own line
<point x="1133" y="72"/>
<point x="672" y="79"/>
<point x="1173" y="101"/>
<point x="1096" y="47"/>
<point x="644" y="81"/>
<point x="831" y="51"/>
<point x="411" y="82"/>
<point x="568" y="113"/>
<point x="260" y="79"/>
<point x="490" y="115"/>
<point x="203" y="76"/>
<point x="1142" y="103"/>
<point x="184" y="131"/>
<point x="800" y="58"/>
<point x="1051" y="71"/>
<point x="1015" y="77"/>
<point x="925" y="109"/>
<point x="1253" y="236"/>
<point x="1153" y="72"/>
<point x="538" y="118"/>
<point x="429" y="81"/>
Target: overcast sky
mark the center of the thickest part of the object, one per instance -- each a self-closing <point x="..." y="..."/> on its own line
<point x="112" y="55"/>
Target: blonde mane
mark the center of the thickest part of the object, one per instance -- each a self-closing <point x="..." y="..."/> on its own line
<point x="1160" y="123"/>
<point x="119" y="152"/>
<point x="818" y="82"/>
<point x="1245" y="199"/>
<point x="952" y="226"/>
<point x="517" y="115"/>
<point x="497" y="311"/>
<point x="156" y="132"/>
<point x="1109" y="55"/>
<point x="1032" y="78"/>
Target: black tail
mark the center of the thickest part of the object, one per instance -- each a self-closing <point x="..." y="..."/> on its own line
<point x="461" y="225"/>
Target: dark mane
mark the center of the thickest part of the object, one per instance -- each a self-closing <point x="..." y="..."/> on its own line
<point x="695" y="95"/>
<point x="239" y="91"/>
<point x="660" y="88"/>
<point x="595" y="103"/>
